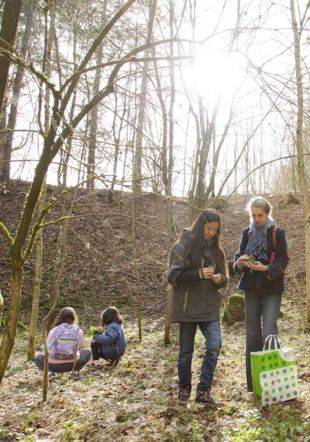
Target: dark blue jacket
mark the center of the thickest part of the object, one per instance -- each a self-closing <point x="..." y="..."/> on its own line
<point x="113" y="341"/>
<point x="271" y="281"/>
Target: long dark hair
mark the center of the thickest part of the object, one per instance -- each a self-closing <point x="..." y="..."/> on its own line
<point x="111" y="314"/>
<point x="67" y="315"/>
<point x="195" y="235"/>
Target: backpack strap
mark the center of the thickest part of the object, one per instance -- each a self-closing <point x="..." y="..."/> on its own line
<point x="274" y="236"/>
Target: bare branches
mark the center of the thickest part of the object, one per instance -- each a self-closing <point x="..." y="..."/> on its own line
<point x="6" y="233"/>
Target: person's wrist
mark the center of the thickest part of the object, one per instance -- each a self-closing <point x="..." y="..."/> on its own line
<point x="220" y="280"/>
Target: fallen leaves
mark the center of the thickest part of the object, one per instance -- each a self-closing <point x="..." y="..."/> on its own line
<point x="138" y="400"/>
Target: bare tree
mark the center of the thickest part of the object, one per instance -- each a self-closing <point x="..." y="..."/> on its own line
<point x="20" y="244"/>
<point x="137" y="157"/>
<point x="8" y="31"/>
<point x="6" y="147"/>
<point x="299" y="144"/>
<point x="91" y="162"/>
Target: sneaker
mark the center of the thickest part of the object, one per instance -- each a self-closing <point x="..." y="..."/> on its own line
<point x="184" y="393"/>
<point x="115" y="363"/>
<point x="75" y="375"/>
<point x="93" y="365"/>
<point x="203" y="397"/>
<point x="51" y="375"/>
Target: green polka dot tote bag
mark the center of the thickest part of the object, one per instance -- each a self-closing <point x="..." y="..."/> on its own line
<point x="274" y="375"/>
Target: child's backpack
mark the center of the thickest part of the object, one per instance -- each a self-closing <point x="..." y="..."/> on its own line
<point x="65" y="342"/>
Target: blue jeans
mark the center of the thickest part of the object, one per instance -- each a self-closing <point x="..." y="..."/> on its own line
<point x="64" y="366"/>
<point x="211" y="330"/>
<point x="259" y="306"/>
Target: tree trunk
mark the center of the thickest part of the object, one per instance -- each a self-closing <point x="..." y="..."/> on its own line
<point x="300" y="152"/>
<point x="171" y="126"/>
<point x="168" y="186"/>
<point x="57" y="276"/>
<point x="14" y="310"/>
<point x="135" y="263"/>
<point x="117" y="140"/>
<point x="91" y="162"/>
<point x="6" y="148"/>
<point x="137" y="159"/>
<point x="9" y="24"/>
<point x="38" y="246"/>
<point x="207" y="129"/>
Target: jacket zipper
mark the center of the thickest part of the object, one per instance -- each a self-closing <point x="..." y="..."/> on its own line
<point x="185" y="300"/>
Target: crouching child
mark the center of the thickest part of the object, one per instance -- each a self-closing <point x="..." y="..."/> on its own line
<point x="65" y="343"/>
<point x="109" y="344"/>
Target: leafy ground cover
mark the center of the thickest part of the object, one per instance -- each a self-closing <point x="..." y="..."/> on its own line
<point x="137" y="401"/>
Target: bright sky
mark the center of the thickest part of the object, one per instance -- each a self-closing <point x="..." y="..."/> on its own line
<point x="224" y="63"/>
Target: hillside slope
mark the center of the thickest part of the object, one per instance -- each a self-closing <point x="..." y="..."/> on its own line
<point x="99" y="268"/>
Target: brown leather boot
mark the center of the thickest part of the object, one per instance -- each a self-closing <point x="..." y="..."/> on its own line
<point x="203" y="397"/>
<point x="184" y="393"/>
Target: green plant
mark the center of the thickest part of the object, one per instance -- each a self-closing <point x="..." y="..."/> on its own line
<point x="72" y="432"/>
<point x="91" y="330"/>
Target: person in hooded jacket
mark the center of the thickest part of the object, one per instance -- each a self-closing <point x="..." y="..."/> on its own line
<point x="110" y="342"/>
<point x="197" y="270"/>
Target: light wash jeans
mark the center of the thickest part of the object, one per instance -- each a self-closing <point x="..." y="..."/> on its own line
<point x="259" y="307"/>
<point x="212" y="332"/>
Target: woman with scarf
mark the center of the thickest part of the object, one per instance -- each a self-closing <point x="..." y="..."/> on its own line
<point x="261" y="260"/>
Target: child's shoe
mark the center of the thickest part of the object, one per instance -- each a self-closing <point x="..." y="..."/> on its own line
<point x="115" y="363"/>
<point x="184" y="393"/>
<point x="93" y="364"/>
<point x="75" y="375"/>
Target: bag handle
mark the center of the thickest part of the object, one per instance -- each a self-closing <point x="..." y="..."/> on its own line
<point x="272" y="342"/>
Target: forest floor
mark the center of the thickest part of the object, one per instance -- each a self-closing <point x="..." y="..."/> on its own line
<point x="137" y="400"/>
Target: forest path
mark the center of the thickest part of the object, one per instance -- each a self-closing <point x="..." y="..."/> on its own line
<point x="137" y="401"/>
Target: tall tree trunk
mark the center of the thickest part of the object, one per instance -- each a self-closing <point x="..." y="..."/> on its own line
<point x="14" y="310"/>
<point x="6" y="147"/>
<point x="137" y="159"/>
<point x="38" y="245"/>
<point x="171" y="125"/>
<point x="299" y="147"/>
<point x="117" y="140"/>
<point x="91" y="162"/>
<point x="62" y="172"/>
<point x="207" y="133"/>
<point x="136" y="264"/>
<point x="10" y="17"/>
<point x="38" y="249"/>
<point x="168" y="186"/>
<point x="57" y="277"/>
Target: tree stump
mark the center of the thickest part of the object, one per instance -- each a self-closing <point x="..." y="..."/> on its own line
<point x="288" y="199"/>
<point x="234" y="309"/>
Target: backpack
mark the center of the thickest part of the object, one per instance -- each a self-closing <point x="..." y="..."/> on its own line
<point x="65" y="342"/>
<point x="273" y="240"/>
